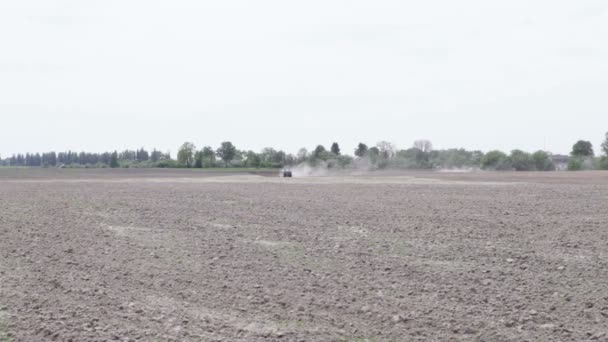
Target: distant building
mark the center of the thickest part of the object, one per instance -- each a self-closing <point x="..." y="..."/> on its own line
<point x="560" y="162"/>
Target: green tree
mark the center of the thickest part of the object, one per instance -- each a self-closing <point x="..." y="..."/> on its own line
<point x="521" y="161"/>
<point x="495" y="160"/>
<point x="319" y="151"/>
<point x="455" y="158"/>
<point x="603" y="163"/>
<point x="361" y="150"/>
<point x="278" y="159"/>
<point x="268" y="156"/>
<point x="155" y="156"/>
<point x="542" y="161"/>
<point x="226" y="152"/>
<point x="253" y="159"/>
<point x="576" y="163"/>
<point x="185" y="155"/>
<point x="387" y="149"/>
<point x="335" y="148"/>
<point x="114" y="160"/>
<point x="374" y="155"/>
<point x="605" y="145"/>
<point x="319" y="154"/>
<point x="582" y="149"/>
<point x="302" y="156"/>
<point x="198" y="160"/>
<point x="412" y="158"/>
<point x="142" y="155"/>
<point x="208" y="156"/>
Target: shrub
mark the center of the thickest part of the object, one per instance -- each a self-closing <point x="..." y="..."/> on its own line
<point x="412" y="158"/>
<point x="576" y="164"/>
<point x="168" y="164"/>
<point x="455" y="159"/>
<point x="522" y="161"/>
<point x="495" y="160"/>
<point x="542" y="161"/>
<point x="603" y="165"/>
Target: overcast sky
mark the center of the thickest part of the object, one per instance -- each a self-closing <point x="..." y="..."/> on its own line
<point x="103" y="75"/>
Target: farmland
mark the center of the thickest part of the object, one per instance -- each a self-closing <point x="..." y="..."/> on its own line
<point x="179" y="255"/>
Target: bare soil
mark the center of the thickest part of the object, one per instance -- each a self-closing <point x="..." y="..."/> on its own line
<point x="170" y="255"/>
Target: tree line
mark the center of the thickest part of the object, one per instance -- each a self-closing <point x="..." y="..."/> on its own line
<point x="86" y="159"/>
<point x="383" y="155"/>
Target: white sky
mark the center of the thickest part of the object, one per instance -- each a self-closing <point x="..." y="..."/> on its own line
<point x="114" y="74"/>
